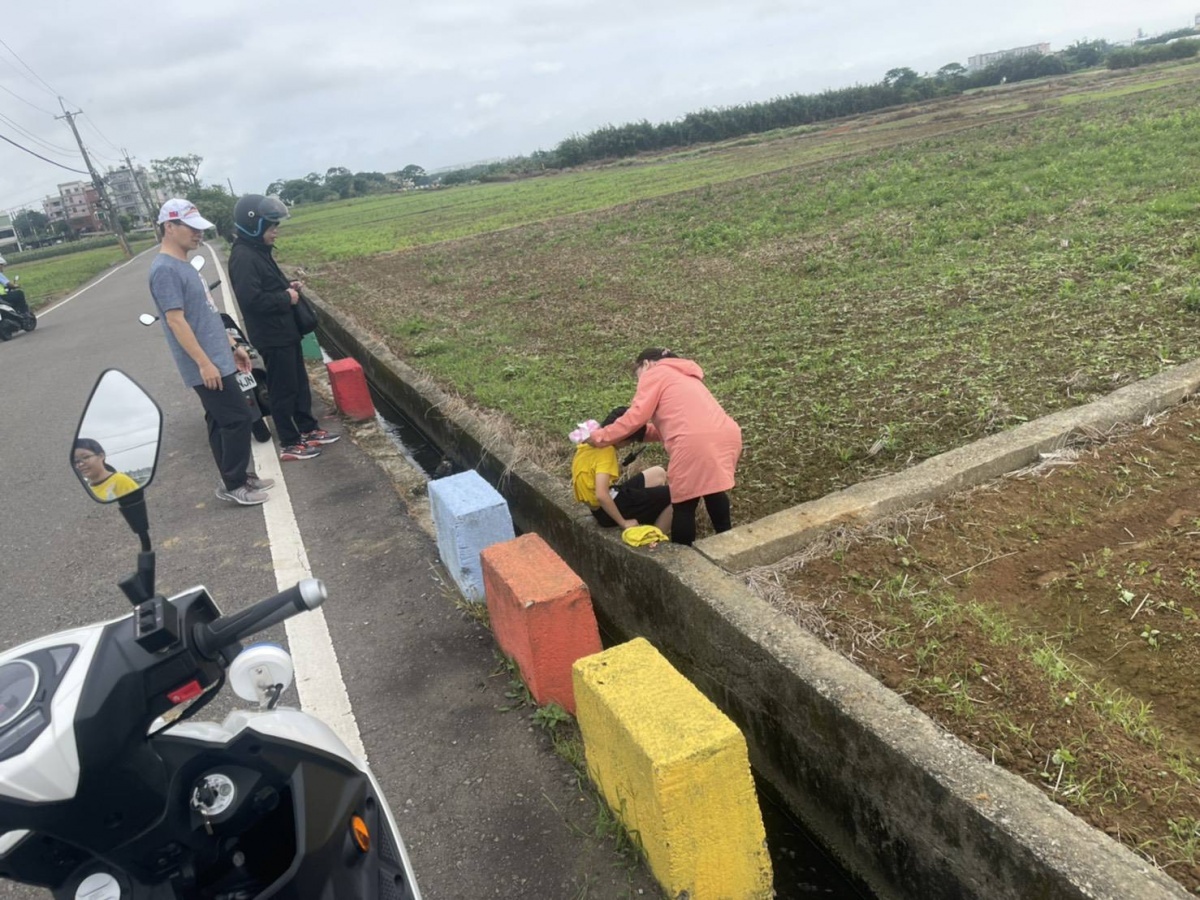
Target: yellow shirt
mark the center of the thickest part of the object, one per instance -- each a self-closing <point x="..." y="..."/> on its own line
<point x="587" y="463"/>
<point x="118" y="484"/>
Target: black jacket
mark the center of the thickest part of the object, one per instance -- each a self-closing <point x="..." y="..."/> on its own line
<point x="262" y="294"/>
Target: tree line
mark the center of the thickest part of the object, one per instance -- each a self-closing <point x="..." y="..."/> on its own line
<point x="899" y="86"/>
<point x="179" y="175"/>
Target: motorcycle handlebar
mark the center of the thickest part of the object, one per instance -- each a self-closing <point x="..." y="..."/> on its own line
<point x="211" y="638"/>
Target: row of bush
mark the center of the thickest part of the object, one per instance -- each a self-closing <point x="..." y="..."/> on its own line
<point x="64" y="249"/>
<point x="1132" y="57"/>
<point x="898" y="87"/>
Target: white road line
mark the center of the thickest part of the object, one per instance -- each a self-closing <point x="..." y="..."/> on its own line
<point x="318" y="674"/>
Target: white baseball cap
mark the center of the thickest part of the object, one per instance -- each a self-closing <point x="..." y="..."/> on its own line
<point x="176" y="210"/>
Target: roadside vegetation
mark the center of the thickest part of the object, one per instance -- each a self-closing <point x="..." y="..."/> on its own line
<point x="861" y="297"/>
<point x="864" y="296"/>
<point x="47" y="280"/>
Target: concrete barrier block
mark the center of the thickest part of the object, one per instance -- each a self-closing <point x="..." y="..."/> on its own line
<point x="676" y="771"/>
<point x="349" y="386"/>
<point x="310" y="347"/>
<point x="468" y="515"/>
<point x="541" y="614"/>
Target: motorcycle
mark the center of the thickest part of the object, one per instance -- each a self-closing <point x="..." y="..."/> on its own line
<point x="252" y="383"/>
<point x="15" y="314"/>
<point x="110" y="791"/>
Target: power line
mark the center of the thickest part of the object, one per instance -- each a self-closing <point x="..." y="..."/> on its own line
<point x="52" y="91"/>
<point x="108" y="159"/>
<point x="96" y="129"/>
<point x="23" y="100"/>
<point x="42" y="158"/>
<point x="33" y="137"/>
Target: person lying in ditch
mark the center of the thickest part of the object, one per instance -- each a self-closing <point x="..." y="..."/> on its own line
<point x="643" y="499"/>
<point x="702" y="441"/>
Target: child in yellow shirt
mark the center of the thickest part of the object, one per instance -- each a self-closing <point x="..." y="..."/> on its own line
<point x="643" y="499"/>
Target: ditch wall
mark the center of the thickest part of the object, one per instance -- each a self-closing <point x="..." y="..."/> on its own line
<point x="906" y="807"/>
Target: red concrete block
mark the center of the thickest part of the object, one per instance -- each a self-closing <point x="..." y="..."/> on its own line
<point x="350" y="389"/>
<point x="541" y="615"/>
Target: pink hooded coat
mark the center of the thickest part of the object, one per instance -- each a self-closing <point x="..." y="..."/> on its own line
<point x="702" y="441"/>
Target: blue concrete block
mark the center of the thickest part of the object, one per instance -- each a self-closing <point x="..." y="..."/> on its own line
<point x="468" y="516"/>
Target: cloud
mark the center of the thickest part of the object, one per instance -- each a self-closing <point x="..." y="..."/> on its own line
<point x="277" y="89"/>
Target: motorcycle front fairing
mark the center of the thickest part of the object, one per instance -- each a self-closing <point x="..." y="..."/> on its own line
<point x="283" y="826"/>
<point x="297" y="791"/>
<point x="78" y="778"/>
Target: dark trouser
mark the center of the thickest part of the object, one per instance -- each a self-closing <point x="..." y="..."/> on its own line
<point x="288" y="392"/>
<point x="229" y="422"/>
<point x="683" y="519"/>
<point x="15" y="297"/>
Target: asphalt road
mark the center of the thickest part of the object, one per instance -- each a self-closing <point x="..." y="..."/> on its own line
<point x="486" y="809"/>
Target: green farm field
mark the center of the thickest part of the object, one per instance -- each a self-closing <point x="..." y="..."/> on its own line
<point x="47" y="280"/>
<point x="861" y="296"/>
<point x="864" y="296"/>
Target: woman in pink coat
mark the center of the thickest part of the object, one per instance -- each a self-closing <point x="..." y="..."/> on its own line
<point x="703" y="443"/>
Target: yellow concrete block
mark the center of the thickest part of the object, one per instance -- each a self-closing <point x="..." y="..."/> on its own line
<point x="675" y="770"/>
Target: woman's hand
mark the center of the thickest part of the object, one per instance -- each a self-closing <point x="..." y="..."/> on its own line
<point x="241" y="359"/>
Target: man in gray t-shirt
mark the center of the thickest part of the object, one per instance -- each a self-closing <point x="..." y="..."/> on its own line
<point x="203" y="351"/>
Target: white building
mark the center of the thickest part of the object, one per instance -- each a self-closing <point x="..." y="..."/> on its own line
<point x="983" y="60"/>
<point x="8" y="235"/>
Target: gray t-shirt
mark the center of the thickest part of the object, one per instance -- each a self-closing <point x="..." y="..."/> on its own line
<point x="176" y="285"/>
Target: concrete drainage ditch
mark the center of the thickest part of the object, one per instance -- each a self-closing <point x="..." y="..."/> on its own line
<point x="908" y="809"/>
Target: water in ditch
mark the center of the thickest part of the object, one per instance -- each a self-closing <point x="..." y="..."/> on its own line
<point x="802" y="870"/>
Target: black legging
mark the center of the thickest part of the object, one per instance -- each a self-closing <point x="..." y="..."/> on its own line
<point x="683" y="519"/>
<point x="288" y="392"/>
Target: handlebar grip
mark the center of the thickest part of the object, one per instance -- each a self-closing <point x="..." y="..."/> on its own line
<point x="212" y="637"/>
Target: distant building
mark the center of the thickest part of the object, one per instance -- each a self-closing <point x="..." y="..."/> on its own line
<point x="125" y="191"/>
<point x="983" y="60"/>
<point x="78" y="205"/>
<point x="8" y="234"/>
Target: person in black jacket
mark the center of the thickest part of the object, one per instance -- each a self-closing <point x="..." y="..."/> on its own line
<point x="266" y="298"/>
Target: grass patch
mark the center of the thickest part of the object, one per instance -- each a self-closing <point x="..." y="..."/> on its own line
<point x="47" y="280"/>
<point x="861" y="297"/>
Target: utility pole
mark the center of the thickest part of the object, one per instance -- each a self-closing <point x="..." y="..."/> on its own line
<point x="141" y="188"/>
<point x="97" y="181"/>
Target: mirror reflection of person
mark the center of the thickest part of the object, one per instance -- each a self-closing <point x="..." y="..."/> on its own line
<point x="105" y="481"/>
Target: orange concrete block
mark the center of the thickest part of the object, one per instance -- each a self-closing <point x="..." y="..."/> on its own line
<point x="349" y="386"/>
<point x="541" y="615"/>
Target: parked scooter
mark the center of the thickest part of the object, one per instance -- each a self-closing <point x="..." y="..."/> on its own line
<point x="108" y="791"/>
<point x="15" y="314"/>
<point x="253" y="383"/>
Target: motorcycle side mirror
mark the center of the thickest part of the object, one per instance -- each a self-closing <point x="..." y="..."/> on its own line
<point x="147" y="319"/>
<point x="197" y="262"/>
<point x="114" y="456"/>
<point x="115" y="450"/>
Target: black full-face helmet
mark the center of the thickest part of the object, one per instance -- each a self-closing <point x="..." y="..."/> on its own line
<point x="253" y="214"/>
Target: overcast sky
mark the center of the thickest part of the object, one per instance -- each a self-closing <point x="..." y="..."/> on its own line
<point x="281" y="88"/>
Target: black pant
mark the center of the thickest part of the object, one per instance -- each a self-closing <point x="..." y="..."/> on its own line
<point x="229" y="421"/>
<point x="15" y="297"/>
<point x="288" y="392"/>
<point x="683" y="518"/>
